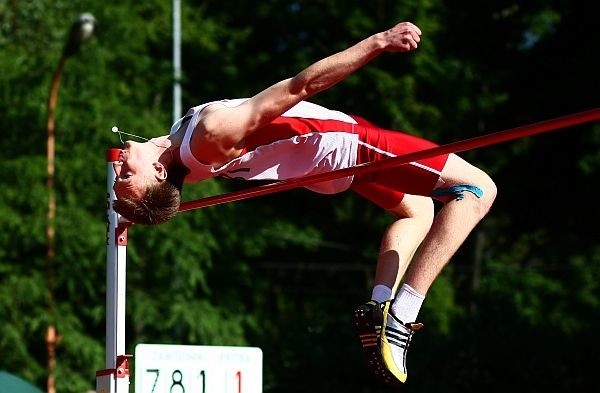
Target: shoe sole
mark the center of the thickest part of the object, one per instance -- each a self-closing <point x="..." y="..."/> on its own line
<point x="368" y="333"/>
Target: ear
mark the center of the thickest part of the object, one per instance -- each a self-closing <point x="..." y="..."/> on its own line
<point x="160" y="172"/>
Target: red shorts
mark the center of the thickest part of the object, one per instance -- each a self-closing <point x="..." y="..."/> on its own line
<point x="387" y="187"/>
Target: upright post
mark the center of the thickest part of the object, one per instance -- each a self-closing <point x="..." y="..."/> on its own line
<point x="176" y="60"/>
<point x="115" y="378"/>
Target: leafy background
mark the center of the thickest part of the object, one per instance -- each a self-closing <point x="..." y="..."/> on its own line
<point x="518" y="307"/>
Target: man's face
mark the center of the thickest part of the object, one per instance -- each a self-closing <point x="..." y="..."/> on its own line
<point x="134" y="171"/>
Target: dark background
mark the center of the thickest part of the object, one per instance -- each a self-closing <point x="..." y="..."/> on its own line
<point x="516" y="310"/>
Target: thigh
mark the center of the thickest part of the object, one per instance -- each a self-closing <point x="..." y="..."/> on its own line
<point x="459" y="171"/>
<point x="417" y="178"/>
<point x="400" y="204"/>
<point x="380" y="195"/>
<point x="415" y="206"/>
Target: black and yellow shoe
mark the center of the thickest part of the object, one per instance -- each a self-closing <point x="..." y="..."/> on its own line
<point x="394" y="341"/>
<point x="368" y="319"/>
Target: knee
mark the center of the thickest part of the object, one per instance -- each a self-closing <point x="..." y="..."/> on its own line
<point x="483" y="203"/>
<point x="464" y="182"/>
<point x="417" y="208"/>
<point x="492" y="190"/>
<point x="477" y="196"/>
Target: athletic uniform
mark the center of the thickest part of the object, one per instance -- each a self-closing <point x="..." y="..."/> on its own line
<point x="309" y="139"/>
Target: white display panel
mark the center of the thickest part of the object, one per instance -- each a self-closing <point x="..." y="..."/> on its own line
<point x="163" y="368"/>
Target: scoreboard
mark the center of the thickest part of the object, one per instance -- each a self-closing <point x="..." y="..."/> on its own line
<point x="161" y="368"/>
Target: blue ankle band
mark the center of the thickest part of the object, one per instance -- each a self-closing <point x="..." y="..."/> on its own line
<point x="458" y="191"/>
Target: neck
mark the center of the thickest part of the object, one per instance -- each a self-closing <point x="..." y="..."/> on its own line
<point x="160" y="147"/>
<point x="166" y="149"/>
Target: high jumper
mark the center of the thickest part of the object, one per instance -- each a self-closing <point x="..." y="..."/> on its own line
<point x="278" y="135"/>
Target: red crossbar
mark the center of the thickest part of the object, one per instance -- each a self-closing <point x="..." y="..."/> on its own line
<point x="454" y="147"/>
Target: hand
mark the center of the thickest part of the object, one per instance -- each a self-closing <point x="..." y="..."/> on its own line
<point x="403" y="37"/>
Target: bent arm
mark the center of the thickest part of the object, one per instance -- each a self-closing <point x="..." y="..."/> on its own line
<point x="220" y="132"/>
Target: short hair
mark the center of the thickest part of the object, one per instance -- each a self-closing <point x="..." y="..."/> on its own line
<point x="159" y="202"/>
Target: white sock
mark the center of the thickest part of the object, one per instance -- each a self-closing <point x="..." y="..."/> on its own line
<point x="381" y="293"/>
<point x="407" y="304"/>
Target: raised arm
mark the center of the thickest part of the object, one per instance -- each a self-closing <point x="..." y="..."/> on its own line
<point x="220" y="132"/>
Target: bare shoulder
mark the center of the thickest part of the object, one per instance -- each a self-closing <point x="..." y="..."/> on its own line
<point x="208" y="113"/>
<point x="218" y="133"/>
<point x="220" y="118"/>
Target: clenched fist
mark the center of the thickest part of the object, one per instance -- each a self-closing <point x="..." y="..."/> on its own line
<point x="403" y="37"/>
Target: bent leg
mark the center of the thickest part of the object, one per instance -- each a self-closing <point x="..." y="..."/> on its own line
<point x="453" y="223"/>
<point x="402" y="238"/>
<point x="398" y="245"/>
<point x="451" y="226"/>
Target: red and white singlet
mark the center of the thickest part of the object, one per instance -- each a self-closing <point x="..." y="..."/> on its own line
<point x="310" y="139"/>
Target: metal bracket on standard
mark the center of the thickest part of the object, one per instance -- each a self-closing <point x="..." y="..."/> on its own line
<point x="114" y="380"/>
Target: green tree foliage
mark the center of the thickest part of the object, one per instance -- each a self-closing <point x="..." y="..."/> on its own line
<point x="518" y="307"/>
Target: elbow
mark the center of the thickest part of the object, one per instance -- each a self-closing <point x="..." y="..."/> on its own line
<point x="302" y="87"/>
